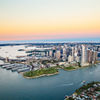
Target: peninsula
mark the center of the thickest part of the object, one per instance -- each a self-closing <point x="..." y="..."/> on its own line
<point x="41" y="72"/>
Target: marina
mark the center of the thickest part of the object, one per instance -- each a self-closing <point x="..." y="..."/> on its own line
<point x="23" y="70"/>
<point x="16" y="67"/>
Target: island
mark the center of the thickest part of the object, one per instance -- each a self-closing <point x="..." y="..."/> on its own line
<point x="86" y="92"/>
<point x="41" y="72"/>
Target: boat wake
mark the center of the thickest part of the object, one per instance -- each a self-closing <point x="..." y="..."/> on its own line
<point x="90" y="72"/>
<point x="67" y="84"/>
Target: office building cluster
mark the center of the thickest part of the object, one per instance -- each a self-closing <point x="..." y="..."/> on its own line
<point x="82" y="53"/>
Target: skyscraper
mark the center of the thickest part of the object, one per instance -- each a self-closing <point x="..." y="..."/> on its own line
<point x="58" y="54"/>
<point x="73" y="53"/>
<point x="50" y="53"/>
<point x="94" y="57"/>
<point x="89" y="56"/>
<point x="84" y="56"/>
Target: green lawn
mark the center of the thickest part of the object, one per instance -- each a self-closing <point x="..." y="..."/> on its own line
<point x="69" y="68"/>
<point x="41" y="72"/>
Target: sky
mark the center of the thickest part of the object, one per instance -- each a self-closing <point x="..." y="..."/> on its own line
<point x="49" y="19"/>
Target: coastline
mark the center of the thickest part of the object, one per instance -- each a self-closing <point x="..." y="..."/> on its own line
<point x="33" y="77"/>
<point x="43" y="75"/>
<point x="80" y="67"/>
<point x="86" y="91"/>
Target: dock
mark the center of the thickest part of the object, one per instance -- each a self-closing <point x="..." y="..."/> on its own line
<point x="16" y="67"/>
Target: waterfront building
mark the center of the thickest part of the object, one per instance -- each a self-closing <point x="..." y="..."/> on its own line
<point x="89" y="56"/>
<point x="92" y="56"/>
<point x="84" y="56"/>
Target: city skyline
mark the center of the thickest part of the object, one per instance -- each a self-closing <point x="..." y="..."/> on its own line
<point x="59" y="19"/>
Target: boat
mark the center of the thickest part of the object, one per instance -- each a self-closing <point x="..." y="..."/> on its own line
<point x="9" y="68"/>
<point x="83" y="82"/>
<point x="15" y="66"/>
<point x="5" y="66"/>
<point x="15" y="69"/>
<point x="23" y="70"/>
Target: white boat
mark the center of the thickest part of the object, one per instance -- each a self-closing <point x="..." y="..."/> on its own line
<point x="83" y="82"/>
<point x="23" y="70"/>
<point x="16" y="69"/>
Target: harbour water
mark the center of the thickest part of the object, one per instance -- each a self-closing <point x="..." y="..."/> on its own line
<point x="14" y="86"/>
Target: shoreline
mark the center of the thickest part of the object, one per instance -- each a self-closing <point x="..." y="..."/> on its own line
<point x="84" y="90"/>
<point x="33" y="77"/>
<point x="80" y="67"/>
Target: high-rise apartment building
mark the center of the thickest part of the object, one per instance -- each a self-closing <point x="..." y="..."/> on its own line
<point x="58" y="54"/>
<point x="84" y="56"/>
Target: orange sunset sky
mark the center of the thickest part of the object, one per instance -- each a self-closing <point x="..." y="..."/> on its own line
<point x="49" y="19"/>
